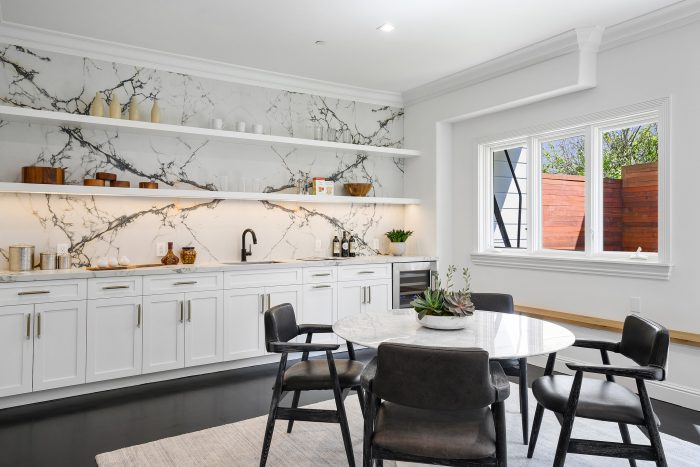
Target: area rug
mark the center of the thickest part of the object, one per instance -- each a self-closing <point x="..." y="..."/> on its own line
<point x="320" y="444"/>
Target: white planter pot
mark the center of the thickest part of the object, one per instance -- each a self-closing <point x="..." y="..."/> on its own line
<point x="397" y="248"/>
<point x="443" y="322"/>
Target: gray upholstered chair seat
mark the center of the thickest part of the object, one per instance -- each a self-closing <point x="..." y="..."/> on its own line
<point x="442" y="434"/>
<point x="314" y="374"/>
<point x="599" y="399"/>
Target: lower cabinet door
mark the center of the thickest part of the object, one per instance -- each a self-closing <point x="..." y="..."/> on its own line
<point x="16" y="348"/>
<point x="204" y="331"/>
<point x="291" y="294"/>
<point x="244" y="332"/>
<point x="378" y="296"/>
<point x="320" y="306"/>
<point x="163" y="332"/>
<point x="59" y="344"/>
<point x="114" y="338"/>
<point x="351" y="297"/>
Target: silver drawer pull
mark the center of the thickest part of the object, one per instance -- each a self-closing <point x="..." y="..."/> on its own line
<point x="113" y="287"/>
<point x="33" y="292"/>
<point x="38" y="325"/>
<point x="138" y="315"/>
<point x="29" y="325"/>
<point x="326" y="286"/>
<point x="185" y="283"/>
<point x="325" y="274"/>
<point x="367" y="272"/>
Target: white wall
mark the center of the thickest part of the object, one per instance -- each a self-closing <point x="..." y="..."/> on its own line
<point x="663" y="65"/>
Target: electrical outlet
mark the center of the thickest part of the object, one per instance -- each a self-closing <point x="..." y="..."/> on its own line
<point x="160" y="249"/>
<point x="62" y="248"/>
<point x="375" y="243"/>
<point x="635" y="305"/>
<point x="318" y="245"/>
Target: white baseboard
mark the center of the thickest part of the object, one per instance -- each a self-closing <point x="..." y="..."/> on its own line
<point x="672" y="393"/>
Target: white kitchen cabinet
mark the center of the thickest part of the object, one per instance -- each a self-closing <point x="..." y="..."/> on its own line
<point x="378" y="296"/>
<point x="16" y="349"/>
<point x="244" y="332"/>
<point x="59" y="344"/>
<point x="363" y="296"/>
<point x="114" y="338"/>
<point x="204" y="330"/>
<point x="320" y="306"/>
<point x="163" y="332"/>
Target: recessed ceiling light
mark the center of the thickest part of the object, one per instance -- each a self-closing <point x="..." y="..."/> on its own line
<point x="320" y="43"/>
<point x="386" y="27"/>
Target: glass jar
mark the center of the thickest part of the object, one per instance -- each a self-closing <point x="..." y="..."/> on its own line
<point x="188" y="255"/>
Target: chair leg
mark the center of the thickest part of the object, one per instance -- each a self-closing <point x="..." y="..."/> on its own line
<point x="568" y="425"/>
<point x="368" y="430"/>
<point x="650" y="423"/>
<point x="539" y="412"/>
<point x="499" y="414"/>
<point x="625" y="432"/>
<point x="361" y="398"/>
<point x="523" y="397"/>
<point x="342" y="416"/>
<point x="295" y="404"/>
<point x="272" y="416"/>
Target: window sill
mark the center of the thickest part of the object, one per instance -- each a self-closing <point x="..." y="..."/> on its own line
<point x="596" y="266"/>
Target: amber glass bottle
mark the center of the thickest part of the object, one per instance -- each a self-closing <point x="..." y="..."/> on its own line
<point x="170" y="258"/>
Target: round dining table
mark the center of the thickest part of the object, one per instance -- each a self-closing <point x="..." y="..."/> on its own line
<point x="502" y="335"/>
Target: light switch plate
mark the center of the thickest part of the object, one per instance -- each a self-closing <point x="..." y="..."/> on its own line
<point x="635" y="305"/>
<point x="160" y="249"/>
<point x="318" y="245"/>
<point x="62" y="248"/>
<point x="375" y="243"/>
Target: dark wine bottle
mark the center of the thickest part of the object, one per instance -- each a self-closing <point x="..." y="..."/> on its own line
<point x="352" y="246"/>
<point x="344" y="246"/>
<point x="336" y="247"/>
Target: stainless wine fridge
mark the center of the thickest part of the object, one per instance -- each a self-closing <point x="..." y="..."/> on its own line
<point x="409" y="280"/>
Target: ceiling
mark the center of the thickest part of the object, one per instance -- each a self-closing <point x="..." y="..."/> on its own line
<point x="432" y="39"/>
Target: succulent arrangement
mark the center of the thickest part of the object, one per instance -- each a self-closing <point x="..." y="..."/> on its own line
<point x="398" y="235"/>
<point x="439" y="301"/>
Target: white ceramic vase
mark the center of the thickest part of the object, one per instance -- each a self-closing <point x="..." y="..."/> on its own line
<point x="444" y="323"/>
<point x="115" y="108"/>
<point x="397" y="248"/>
<point x="134" y="108"/>
<point x="155" y="112"/>
<point x="97" y="107"/>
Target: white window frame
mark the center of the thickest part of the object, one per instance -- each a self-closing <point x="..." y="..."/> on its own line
<point x="594" y="260"/>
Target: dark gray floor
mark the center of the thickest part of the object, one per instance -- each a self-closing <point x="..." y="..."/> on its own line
<point x="71" y="432"/>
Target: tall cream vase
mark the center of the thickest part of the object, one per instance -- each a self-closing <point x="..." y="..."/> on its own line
<point x="133" y="109"/>
<point x="155" y="112"/>
<point x="97" y="107"/>
<point x="115" y="108"/>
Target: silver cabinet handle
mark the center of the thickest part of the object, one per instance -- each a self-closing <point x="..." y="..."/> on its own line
<point x="364" y="295"/>
<point x="189" y="311"/>
<point x="33" y="292"/>
<point x="369" y="293"/>
<point x="138" y="315"/>
<point x="182" y="311"/>
<point x="366" y="272"/>
<point x="268" y="302"/>
<point x="324" y="274"/>
<point x="325" y="286"/>
<point x="29" y="326"/>
<point x="261" y="303"/>
<point x="113" y="287"/>
<point x="38" y="325"/>
<point x="185" y="283"/>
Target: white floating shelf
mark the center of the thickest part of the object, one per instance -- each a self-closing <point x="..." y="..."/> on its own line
<point x="47" y="117"/>
<point x="79" y="190"/>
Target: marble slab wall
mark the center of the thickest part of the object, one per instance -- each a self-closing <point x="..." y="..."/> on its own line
<point x="100" y="226"/>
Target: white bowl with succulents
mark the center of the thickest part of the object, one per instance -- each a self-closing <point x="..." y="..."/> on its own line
<point x="397" y="239"/>
<point x="445" y="308"/>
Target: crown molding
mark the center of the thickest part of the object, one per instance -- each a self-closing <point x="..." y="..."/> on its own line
<point x="665" y="19"/>
<point x="60" y="42"/>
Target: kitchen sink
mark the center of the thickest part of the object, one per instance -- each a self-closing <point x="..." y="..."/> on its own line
<point x="251" y="262"/>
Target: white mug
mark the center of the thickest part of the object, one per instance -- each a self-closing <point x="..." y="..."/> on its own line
<point x="258" y="129"/>
<point x="217" y="123"/>
<point x="240" y="127"/>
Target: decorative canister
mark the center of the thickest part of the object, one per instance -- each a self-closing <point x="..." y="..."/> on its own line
<point x="21" y="257"/>
<point x="188" y="255"/>
<point x="170" y="259"/>
<point x="47" y="261"/>
<point x="64" y="261"/>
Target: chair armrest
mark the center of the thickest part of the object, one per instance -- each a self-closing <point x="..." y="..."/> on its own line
<point x="596" y="344"/>
<point x="500" y="381"/>
<point x="368" y="374"/>
<point x="643" y="372"/>
<point x="279" y="347"/>
<point x="315" y="328"/>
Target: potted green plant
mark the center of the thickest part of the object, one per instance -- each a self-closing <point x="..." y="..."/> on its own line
<point x="398" y="238"/>
<point x="445" y="308"/>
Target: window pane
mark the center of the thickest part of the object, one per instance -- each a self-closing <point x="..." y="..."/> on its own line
<point x="509" y="191"/>
<point x="631" y="188"/>
<point x="564" y="194"/>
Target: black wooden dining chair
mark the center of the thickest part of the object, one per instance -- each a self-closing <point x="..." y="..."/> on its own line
<point x="340" y="376"/>
<point x="644" y="342"/>
<point x="517" y="367"/>
<point x="435" y="406"/>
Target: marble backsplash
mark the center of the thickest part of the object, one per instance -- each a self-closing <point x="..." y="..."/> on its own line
<point x="99" y="226"/>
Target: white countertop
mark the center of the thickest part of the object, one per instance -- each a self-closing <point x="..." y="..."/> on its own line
<point x="81" y="273"/>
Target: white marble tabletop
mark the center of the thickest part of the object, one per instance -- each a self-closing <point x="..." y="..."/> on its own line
<point x="502" y="335"/>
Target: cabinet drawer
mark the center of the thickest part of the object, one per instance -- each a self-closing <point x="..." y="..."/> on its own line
<point x="182" y="283"/>
<point x="262" y="278"/>
<point x="111" y="287"/>
<point x="42" y="291"/>
<point x="364" y="272"/>
<point x="317" y="275"/>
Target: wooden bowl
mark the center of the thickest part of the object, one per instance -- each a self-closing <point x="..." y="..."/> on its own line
<point x="119" y="184"/>
<point x="44" y="175"/>
<point x="357" y="189"/>
<point x="106" y="176"/>
<point x="93" y="182"/>
<point x="149" y="185"/>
